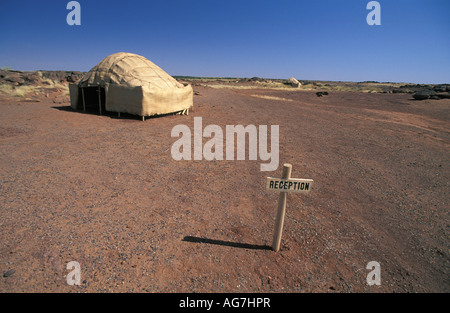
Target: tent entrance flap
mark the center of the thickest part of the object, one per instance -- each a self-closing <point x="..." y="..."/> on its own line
<point x="91" y="99"/>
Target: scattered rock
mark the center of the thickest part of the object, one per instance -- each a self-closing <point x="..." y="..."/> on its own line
<point x="443" y="95"/>
<point x="9" y="273"/>
<point x="293" y="82"/>
<point x="424" y="94"/>
<point x="321" y="93"/>
<point x="441" y="88"/>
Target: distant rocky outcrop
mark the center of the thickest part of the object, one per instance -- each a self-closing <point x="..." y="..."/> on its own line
<point x="432" y="94"/>
<point x="73" y="77"/>
<point x="20" y="78"/>
<point x="253" y="79"/>
<point x="442" y="88"/>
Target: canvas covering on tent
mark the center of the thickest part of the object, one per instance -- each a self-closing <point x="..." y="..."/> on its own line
<point x="132" y="84"/>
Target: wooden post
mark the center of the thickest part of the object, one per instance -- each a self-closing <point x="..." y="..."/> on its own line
<point x="82" y="96"/>
<point x="287" y="169"/>
<point x="99" y="100"/>
<point x="284" y="185"/>
<point x="143" y="118"/>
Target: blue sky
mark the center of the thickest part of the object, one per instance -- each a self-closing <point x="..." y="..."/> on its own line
<point x="309" y="40"/>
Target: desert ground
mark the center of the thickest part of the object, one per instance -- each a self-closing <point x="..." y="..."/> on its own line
<point x="105" y="191"/>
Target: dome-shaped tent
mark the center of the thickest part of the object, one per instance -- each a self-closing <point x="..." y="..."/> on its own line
<point x="130" y="83"/>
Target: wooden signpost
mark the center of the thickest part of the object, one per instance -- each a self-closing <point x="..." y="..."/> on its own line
<point x="284" y="185"/>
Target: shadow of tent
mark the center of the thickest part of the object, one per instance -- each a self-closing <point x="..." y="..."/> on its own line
<point x="226" y="243"/>
<point x="113" y="115"/>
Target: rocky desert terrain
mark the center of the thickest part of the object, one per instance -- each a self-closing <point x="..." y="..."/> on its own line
<point x="105" y="191"/>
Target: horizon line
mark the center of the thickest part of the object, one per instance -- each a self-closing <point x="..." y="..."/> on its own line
<point x="6" y="68"/>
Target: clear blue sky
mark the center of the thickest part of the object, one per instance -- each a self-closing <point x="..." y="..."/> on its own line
<point x="310" y="40"/>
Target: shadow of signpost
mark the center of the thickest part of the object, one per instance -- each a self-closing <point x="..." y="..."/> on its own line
<point x="225" y="243"/>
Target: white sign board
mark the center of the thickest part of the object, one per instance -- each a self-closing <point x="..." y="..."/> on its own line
<point x="289" y="185"/>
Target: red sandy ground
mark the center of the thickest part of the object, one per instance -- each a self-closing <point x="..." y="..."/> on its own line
<point x="105" y="192"/>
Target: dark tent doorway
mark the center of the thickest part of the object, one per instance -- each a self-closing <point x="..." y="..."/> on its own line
<point x="92" y="99"/>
